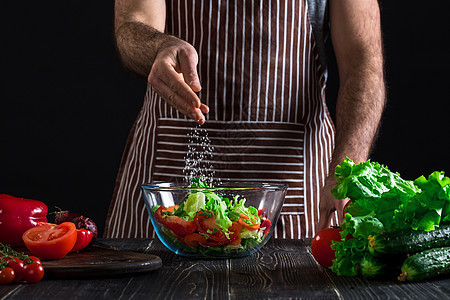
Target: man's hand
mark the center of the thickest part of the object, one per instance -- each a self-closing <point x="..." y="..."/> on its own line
<point x="169" y="64"/>
<point x="174" y="77"/>
<point x="328" y="204"/>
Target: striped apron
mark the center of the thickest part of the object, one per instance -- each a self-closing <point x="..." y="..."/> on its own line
<point x="263" y="81"/>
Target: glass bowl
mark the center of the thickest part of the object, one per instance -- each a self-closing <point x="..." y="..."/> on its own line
<point x="228" y="220"/>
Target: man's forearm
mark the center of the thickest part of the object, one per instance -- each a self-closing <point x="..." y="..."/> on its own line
<point x="138" y="45"/>
<point x="360" y="104"/>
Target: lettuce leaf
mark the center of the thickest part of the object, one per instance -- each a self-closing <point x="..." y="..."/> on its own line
<point x="219" y="207"/>
<point x="372" y="187"/>
<point x="353" y="247"/>
<point x="429" y="207"/>
<point x="383" y="201"/>
<point x="370" y="180"/>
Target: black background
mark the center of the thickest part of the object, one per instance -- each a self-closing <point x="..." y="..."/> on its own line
<point x="67" y="104"/>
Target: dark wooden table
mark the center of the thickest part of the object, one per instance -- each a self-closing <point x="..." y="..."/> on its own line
<point x="283" y="269"/>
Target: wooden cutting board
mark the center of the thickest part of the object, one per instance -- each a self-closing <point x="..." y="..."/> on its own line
<point x="97" y="261"/>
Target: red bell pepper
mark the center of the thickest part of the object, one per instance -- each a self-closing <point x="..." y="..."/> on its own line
<point x="17" y="215"/>
<point x="84" y="237"/>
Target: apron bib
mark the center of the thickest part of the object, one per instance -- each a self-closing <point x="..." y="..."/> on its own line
<point x="263" y="81"/>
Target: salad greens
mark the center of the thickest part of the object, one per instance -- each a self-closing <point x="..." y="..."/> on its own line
<point x="202" y="204"/>
<point x="382" y="201"/>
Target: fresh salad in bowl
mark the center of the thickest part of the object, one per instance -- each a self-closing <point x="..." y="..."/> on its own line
<point x="209" y="224"/>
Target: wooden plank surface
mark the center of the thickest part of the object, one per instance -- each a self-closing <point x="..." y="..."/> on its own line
<point x="283" y="269"/>
<point x="96" y="261"/>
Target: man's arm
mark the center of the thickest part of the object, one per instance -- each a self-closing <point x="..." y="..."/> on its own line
<point x="168" y="63"/>
<point x="356" y="37"/>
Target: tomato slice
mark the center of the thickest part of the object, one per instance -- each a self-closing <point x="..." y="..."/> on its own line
<point x="235" y="233"/>
<point x="266" y="223"/>
<point x="206" y="224"/>
<point x="252" y="224"/>
<point x="194" y="239"/>
<point x="179" y="226"/>
<point x="51" y="241"/>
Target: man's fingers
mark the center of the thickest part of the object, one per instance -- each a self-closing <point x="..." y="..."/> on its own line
<point x="325" y="220"/>
<point x="178" y="102"/>
<point x="188" y="60"/>
<point x="163" y="72"/>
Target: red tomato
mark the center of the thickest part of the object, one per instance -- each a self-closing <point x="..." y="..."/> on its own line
<point x="33" y="272"/>
<point x="6" y="275"/>
<point x="34" y="259"/>
<point x="84" y="237"/>
<point x="179" y="226"/>
<point x="51" y="241"/>
<point x="17" y="265"/>
<point x="321" y="246"/>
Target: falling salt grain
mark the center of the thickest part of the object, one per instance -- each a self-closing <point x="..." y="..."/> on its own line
<point x="199" y="156"/>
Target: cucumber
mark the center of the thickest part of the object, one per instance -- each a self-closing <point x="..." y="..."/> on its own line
<point x="426" y="264"/>
<point x="409" y="241"/>
<point x="373" y="266"/>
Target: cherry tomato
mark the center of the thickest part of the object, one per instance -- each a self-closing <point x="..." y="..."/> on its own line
<point x="252" y="224"/>
<point x="321" y="246"/>
<point x="6" y="275"/>
<point x="33" y="272"/>
<point x="84" y="237"/>
<point x="51" y="241"/>
<point x="34" y="259"/>
<point x="17" y="265"/>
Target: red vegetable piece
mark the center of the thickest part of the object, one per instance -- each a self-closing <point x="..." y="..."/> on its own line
<point x="194" y="239"/>
<point x="6" y="275"/>
<point x="321" y="246"/>
<point x="266" y="223"/>
<point x="17" y="216"/>
<point x="205" y="222"/>
<point x="84" y="237"/>
<point x="179" y="226"/>
<point x="51" y="242"/>
<point x="17" y="265"/>
<point x="33" y="272"/>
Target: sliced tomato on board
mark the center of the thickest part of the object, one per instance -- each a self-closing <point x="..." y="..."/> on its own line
<point x="51" y="241"/>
